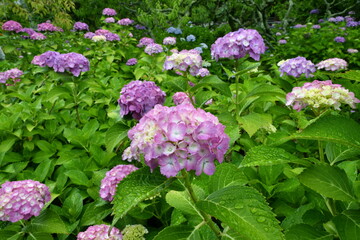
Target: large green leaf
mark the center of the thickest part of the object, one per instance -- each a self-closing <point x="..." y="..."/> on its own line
<point x="200" y="232"/>
<point x="329" y="181"/>
<point x="306" y="232"/>
<point x="48" y="222"/>
<point x="114" y="135"/>
<point x="255" y="121"/>
<point x="181" y="201"/>
<point x="267" y="156"/>
<point x="214" y="82"/>
<point x="348" y="224"/>
<point x="338" y="152"/>
<point x="136" y="187"/>
<point x="245" y="211"/>
<point x="352" y="75"/>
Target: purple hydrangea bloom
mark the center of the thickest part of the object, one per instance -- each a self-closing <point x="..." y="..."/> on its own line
<point x="181" y="97"/>
<point x="140" y="27"/>
<point x="109" y="12"/>
<point x="20" y="200"/>
<point x="89" y="35"/>
<point x="297" y="66"/>
<point x="100" y="232"/>
<point x="321" y="21"/>
<point x="101" y="32"/>
<point x="339" y="39"/>
<point x="320" y="95"/>
<point x="238" y="44"/>
<point x="282" y="41"/>
<point x="316" y="26"/>
<point x="351" y="50"/>
<point x="37" y="36"/>
<point x="315" y="11"/>
<point x="278" y="34"/>
<point x="183" y="61"/>
<point x="176" y="138"/>
<point x="80" y="26"/>
<point x="71" y="62"/>
<point x="299" y="26"/>
<point x="145" y="41"/>
<point x="112" y="179"/>
<point x="12" y="74"/>
<point x="29" y="31"/>
<point x="45" y="59"/>
<point x="112" y="37"/>
<point x="139" y="97"/>
<point x="42" y="27"/>
<point x="332" y="64"/>
<point x="125" y="21"/>
<point x="352" y="24"/>
<point x="203" y="72"/>
<point x="12" y="26"/>
<point x="131" y="61"/>
<point x="169" y="41"/>
<point x="109" y="20"/>
<point x="153" y="48"/>
<point x="351" y="12"/>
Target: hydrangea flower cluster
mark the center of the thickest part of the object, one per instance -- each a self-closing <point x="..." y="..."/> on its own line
<point x="153" y="48"/>
<point x="297" y="66"/>
<point x="316" y="26"/>
<point x="109" y="20"/>
<point x="12" y="26"/>
<point x="22" y="199"/>
<point x="37" y="36"/>
<point x="315" y="11"/>
<point x="183" y="61"/>
<point x="174" y="30"/>
<point x="140" y="27"/>
<point x="100" y="232"/>
<point x="351" y="50"/>
<point x="145" y="41"/>
<point x="339" y="39"/>
<point x="336" y="19"/>
<point x="131" y="61"/>
<point x="190" y="38"/>
<point x="169" y="41"/>
<point x="109" y="12"/>
<point x="181" y="97"/>
<point x="299" y="26"/>
<point x="98" y="38"/>
<point x="320" y="94"/>
<point x="238" y="44"/>
<point x="112" y="179"/>
<point x="29" y="31"/>
<point x="46" y="26"/>
<point x="139" y="97"/>
<point x="102" y="32"/>
<point x="89" y="35"/>
<point x="203" y="72"/>
<point x="12" y="74"/>
<point x="72" y="62"/>
<point x="176" y="138"/>
<point x="282" y="41"/>
<point x="132" y="232"/>
<point x="125" y="21"/>
<point x="332" y="64"/>
<point x="80" y="26"/>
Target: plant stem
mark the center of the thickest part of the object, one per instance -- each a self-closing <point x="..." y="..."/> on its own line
<point x="76" y="101"/>
<point x="321" y="151"/>
<point x="206" y="217"/>
<point x="237" y="95"/>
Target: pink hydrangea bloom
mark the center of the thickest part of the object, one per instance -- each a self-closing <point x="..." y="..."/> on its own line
<point x="145" y="41"/>
<point x="109" y="12"/>
<point x="109" y="20"/>
<point x="203" y="72"/>
<point x="112" y="179"/>
<point x="319" y="95"/>
<point x="125" y="21"/>
<point x="37" y="36"/>
<point x="29" y="31"/>
<point x="297" y="66"/>
<point x="20" y="200"/>
<point x="238" y="44"/>
<point x="176" y="138"/>
<point x="332" y="64"/>
<point x="282" y="41"/>
<point x="169" y="41"/>
<point x="181" y="97"/>
<point x="100" y="232"/>
<point x="184" y="60"/>
<point x="12" y="26"/>
<point x="12" y="74"/>
<point x="47" y="26"/>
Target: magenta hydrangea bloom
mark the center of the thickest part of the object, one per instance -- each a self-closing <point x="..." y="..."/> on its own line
<point x="145" y="41"/>
<point x="153" y="48"/>
<point x="29" y="31"/>
<point x="37" y="36"/>
<point x="184" y="60"/>
<point x="12" y="74"/>
<point x="339" y="39"/>
<point x="102" y="32"/>
<point x="71" y="62"/>
<point x="125" y="21"/>
<point x="47" y="26"/>
<point x="100" y="232"/>
<point x="12" y="26"/>
<point x="203" y="72"/>
<point x="332" y="64"/>
<point x="139" y="97"/>
<point x="238" y="44"/>
<point x="112" y="179"/>
<point x="297" y="66"/>
<point x="80" y="26"/>
<point x="45" y="59"/>
<point x="109" y="12"/>
<point x="320" y="95"/>
<point x="176" y="138"/>
<point x="109" y="20"/>
<point x="181" y="97"/>
<point x="131" y="61"/>
<point x="20" y="200"/>
<point x="169" y="41"/>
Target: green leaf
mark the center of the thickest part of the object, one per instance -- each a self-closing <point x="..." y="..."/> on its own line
<point x="329" y="181"/>
<point x="114" y="135"/>
<point x="255" y="121"/>
<point x="93" y="214"/>
<point x="177" y="84"/>
<point x="78" y="177"/>
<point x="267" y="156"/>
<point x="343" y="131"/>
<point x="200" y="232"/>
<point x="214" y="82"/>
<point x="337" y="152"/>
<point x="348" y="224"/>
<point x="181" y="200"/>
<point x="136" y="187"/>
<point x="306" y="232"/>
<point x="244" y="210"/>
<point x="352" y="75"/>
<point x="48" y="222"/>
<point x="110" y="59"/>
<point x="42" y="170"/>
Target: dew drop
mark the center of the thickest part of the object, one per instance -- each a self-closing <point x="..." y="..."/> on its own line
<point x="253" y="210"/>
<point x="260" y="219"/>
<point x="239" y="206"/>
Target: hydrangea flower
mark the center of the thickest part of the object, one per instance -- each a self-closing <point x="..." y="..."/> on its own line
<point x="37" y="36"/>
<point x="297" y="66"/>
<point x="112" y="179"/>
<point x="352" y="24"/>
<point x="45" y="59"/>
<point x="278" y="34"/>
<point x="183" y="61"/>
<point x="169" y="41"/>
<point x="112" y="37"/>
<point x="181" y="97"/>
<point x="351" y="50"/>
<point x="282" y="41"/>
<point x="71" y="62"/>
<point x="238" y="44"/>
<point x="139" y="97"/>
<point x="145" y="41"/>
<point x="46" y="26"/>
<point x="190" y="38"/>
<point x="98" y="38"/>
<point x="199" y="49"/>
<point x="203" y="45"/>
<point x="134" y="232"/>
<point x="299" y="26"/>
<point x="109" y="12"/>
<point x="29" y="31"/>
<point x="109" y="20"/>
<point x="12" y="74"/>
<point x="332" y="64"/>
<point x="125" y="21"/>
<point x="153" y="48"/>
<point x="339" y="39"/>
<point x="171" y="30"/>
<point x="316" y="26"/>
<point x="100" y="232"/>
<point x="176" y="138"/>
<point x="80" y="26"/>
<point x="203" y="72"/>
<point x="315" y="11"/>
<point x="131" y="61"/>
<point x="20" y="200"/>
<point x="320" y="94"/>
<point x="12" y="26"/>
<point x="89" y="35"/>
<point x="140" y="27"/>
